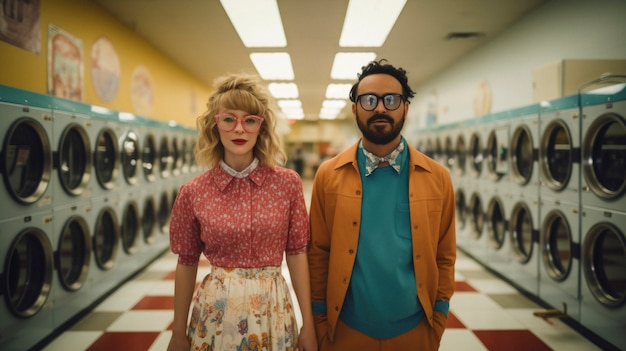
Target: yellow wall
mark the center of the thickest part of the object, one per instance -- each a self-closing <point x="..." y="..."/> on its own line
<point x="177" y="95"/>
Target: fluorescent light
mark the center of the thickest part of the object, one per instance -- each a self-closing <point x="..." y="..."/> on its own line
<point x="257" y="22"/>
<point x="338" y="91"/>
<point x="348" y="64"/>
<point x="283" y="90"/>
<point x="291" y="103"/>
<point x="368" y="22"/>
<point x="326" y="113"/>
<point x="273" y="65"/>
<point x="335" y="104"/>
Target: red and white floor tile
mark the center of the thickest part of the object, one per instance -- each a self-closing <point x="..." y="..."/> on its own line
<point x="486" y="314"/>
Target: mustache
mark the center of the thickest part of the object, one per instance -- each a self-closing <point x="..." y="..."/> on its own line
<point x="380" y="116"/>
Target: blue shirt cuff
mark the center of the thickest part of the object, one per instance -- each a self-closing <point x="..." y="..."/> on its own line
<point x="318" y="307"/>
<point x="442" y="306"/>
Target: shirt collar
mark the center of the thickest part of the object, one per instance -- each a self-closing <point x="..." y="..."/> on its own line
<point x="224" y="174"/>
<point x="246" y="172"/>
<point x="372" y="161"/>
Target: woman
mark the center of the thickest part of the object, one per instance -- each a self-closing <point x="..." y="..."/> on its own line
<point x="243" y="214"/>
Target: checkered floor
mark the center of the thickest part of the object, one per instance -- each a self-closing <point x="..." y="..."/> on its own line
<point x="486" y="314"/>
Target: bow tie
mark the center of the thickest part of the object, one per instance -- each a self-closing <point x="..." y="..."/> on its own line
<point x="372" y="161"/>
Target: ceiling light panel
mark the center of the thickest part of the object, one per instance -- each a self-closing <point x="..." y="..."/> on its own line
<point x="283" y="90"/>
<point x="348" y="64"/>
<point x="257" y="22"/>
<point x="338" y="91"/>
<point x="273" y="65"/>
<point x="368" y="22"/>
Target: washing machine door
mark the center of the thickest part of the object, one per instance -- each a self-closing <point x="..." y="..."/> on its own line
<point x="149" y="158"/>
<point x="556" y="155"/>
<point x="522" y="158"/>
<point x="461" y="208"/>
<point x="448" y="153"/>
<point x="148" y="219"/>
<point x="496" y="153"/>
<point x="604" y="156"/>
<point x="130" y="157"/>
<point x="476" y="155"/>
<point x="460" y="155"/>
<point x="604" y="262"/>
<point x="106" y="158"/>
<point x="28" y="272"/>
<point x="74" y="159"/>
<point x="165" y="158"/>
<point x="557" y="246"/>
<point x="496" y="223"/>
<point x="105" y="238"/>
<point x="522" y="232"/>
<point x="130" y="227"/>
<point x="27" y="160"/>
<point x="74" y="253"/>
<point x="164" y="212"/>
<point x="477" y="218"/>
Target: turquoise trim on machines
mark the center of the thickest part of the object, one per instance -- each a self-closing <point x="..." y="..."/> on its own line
<point x="24" y="97"/>
<point x="563" y="103"/>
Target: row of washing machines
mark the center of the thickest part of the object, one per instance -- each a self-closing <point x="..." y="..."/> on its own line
<point x="86" y="195"/>
<point x="541" y="200"/>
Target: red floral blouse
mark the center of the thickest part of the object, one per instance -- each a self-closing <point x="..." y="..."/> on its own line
<point x="240" y="222"/>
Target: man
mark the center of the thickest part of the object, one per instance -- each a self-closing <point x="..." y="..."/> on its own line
<point x="383" y="244"/>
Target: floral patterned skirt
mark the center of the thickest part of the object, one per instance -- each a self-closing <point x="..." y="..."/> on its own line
<point x="243" y="309"/>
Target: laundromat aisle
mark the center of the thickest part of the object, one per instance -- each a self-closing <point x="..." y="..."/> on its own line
<point x="486" y="313"/>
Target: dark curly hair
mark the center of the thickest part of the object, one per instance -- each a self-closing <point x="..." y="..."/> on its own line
<point x="382" y="66"/>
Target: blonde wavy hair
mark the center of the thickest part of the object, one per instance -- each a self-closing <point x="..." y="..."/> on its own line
<point x="239" y="92"/>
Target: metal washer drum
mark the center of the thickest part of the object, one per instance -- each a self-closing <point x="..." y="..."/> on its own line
<point x="603" y="254"/>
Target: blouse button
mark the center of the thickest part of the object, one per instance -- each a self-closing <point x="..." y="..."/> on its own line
<point x="358" y="192"/>
<point x="354" y="224"/>
<point x="351" y="251"/>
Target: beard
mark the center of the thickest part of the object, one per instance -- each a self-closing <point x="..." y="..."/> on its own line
<point x="378" y="134"/>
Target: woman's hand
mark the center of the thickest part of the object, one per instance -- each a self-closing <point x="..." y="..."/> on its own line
<point x="179" y="342"/>
<point x="307" y="340"/>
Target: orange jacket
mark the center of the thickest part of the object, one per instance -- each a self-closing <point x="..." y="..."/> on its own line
<point x="335" y="218"/>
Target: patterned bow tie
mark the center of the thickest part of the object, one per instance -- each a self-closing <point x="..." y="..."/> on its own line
<point x="372" y="161"/>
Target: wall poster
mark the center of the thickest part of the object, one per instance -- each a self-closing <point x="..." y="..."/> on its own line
<point x="65" y="65"/>
<point x="20" y="25"/>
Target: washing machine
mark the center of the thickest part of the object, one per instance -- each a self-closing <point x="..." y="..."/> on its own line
<point x="176" y="152"/>
<point x="72" y="152"/>
<point x="524" y="235"/>
<point x="460" y="181"/>
<point x="26" y="152"/>
<point x="27" y="258"/>
<point x="604" y="147"/>
<point x="72" y="256"/>
<point x="523" y="178"/>
<point x="130" y="153"/>
<point x="498" y="256"/>
<point x="105" y="273"/>
<point x="474" y="241"/>
<point x="603" y="292"/>
<point x="166" y="162"/>
<point x="497" y="150"/>
<point x="559" y="246"/>
<point x="149" y="152"/>
<point x="559" y="149"/>
<point x="447" y="157"/>
<point x="105" y="134"/>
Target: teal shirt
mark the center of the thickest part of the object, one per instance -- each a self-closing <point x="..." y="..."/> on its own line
<point x="382" y="298"/>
